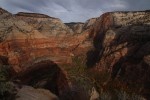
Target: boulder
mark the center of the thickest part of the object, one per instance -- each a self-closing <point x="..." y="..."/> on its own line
<point x="30" y="93"/>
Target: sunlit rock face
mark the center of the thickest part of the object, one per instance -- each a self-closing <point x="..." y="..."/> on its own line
<point x="27" y="38"/>
<point x="44" y="24"/>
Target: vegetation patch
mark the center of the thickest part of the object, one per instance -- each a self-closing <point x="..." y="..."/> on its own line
<point x="7" y="90"/>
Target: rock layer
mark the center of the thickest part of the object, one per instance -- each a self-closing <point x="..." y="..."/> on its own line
<point x="27" y="38"/>
<point x="122" y="41"/>
<point x="44" y="24"/>
<point x="121" y="45"/>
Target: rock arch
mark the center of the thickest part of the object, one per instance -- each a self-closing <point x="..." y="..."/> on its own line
<point x="45" y="74"/>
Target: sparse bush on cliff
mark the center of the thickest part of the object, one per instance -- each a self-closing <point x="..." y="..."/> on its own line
<point x="119" y="95"/>
<point x="6" y="87"/>
<point x="85" y="79"/>
<point x="78" y="73"/>
<point x="81" y="84"/>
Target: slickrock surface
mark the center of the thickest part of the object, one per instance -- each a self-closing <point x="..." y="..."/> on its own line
<point x="29" y="93"/>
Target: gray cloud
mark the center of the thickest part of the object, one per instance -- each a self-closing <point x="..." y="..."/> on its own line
<point x="73" y="10"/>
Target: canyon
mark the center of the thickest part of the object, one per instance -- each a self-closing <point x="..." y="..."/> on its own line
<point x="40" y="49"/>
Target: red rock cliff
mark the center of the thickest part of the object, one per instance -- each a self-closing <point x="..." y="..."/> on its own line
<point x="122" y="47"/>
<point x="28" y="38"/>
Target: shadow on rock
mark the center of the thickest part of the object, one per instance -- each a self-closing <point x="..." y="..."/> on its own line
<point x="47" y="75"/>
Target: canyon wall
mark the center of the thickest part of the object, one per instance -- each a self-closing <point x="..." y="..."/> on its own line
<point x="122" y="48"/>
<point x="115" y="42"/>
<point x="28" y="38"/>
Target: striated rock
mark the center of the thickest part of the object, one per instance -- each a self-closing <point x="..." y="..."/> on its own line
<point x="27" y="38"/>
<point x="46" y="25"/>
<point x="33" y="15"/>
<point x="121" y="46"/>
<point x="36" y="46"/>
<point x="122" y="41"/>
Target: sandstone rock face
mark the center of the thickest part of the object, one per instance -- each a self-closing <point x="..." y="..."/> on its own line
<point x="89" y="24"/>
<point x="29" y="93"/>
<point x="121" y="46"/>
<point x="45" y="74"/>
<point x="131" y="18"/>
<point x="4" y="13"/>
<point x="84" y="28"/>
<point x="27" y="38"/>
<point x="44" y="24"/>
<point x="76" y="27"/>
<point x="35" y="45"/>
<point x="122" y="41"/>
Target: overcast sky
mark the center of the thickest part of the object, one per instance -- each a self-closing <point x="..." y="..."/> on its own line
<point x="73" y="10"/>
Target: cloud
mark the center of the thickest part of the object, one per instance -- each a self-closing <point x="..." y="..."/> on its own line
<point x="73" y="10"/>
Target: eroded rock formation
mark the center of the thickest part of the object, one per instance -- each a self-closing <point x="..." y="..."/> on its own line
<point x="27" y="38"/>
<point x="76" y="27"/>
<point x="116" y="42"/>
<point x="122" y="41"/>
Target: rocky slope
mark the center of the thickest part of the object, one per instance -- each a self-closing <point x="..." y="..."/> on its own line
<point x="35" y="45"/>
<point x="116" y="42"/>
<point x="122" y="47"/>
